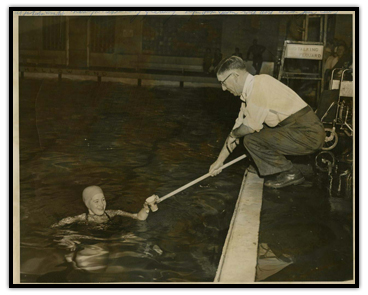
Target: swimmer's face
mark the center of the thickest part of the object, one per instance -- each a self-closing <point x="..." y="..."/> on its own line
<point x="97" y="205"/>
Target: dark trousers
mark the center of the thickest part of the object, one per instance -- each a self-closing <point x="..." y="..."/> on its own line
<point x="300" y="134"/>
<point x="257" y="64"/>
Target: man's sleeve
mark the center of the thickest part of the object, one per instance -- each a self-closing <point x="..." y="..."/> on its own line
<point x="251" y="116"/>
<point x="254" y="117"/>
<point x="239" y="120"/>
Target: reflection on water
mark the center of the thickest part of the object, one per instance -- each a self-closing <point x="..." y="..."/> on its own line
<point x="133" y="142"/>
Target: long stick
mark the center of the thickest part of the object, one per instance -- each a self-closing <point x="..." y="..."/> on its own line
<point x="198" y="179"/>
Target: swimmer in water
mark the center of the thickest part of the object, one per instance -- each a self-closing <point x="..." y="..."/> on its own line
<point x="95" y="202"/>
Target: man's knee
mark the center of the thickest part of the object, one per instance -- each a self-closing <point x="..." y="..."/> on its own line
<point x="252" y="140"/>
<point x="319" y="135"/>
<point x="247" y="139"/>
<point x="321" y="139"/>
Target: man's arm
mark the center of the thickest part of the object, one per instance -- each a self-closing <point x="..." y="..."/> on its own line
<point x="230" y="144"/>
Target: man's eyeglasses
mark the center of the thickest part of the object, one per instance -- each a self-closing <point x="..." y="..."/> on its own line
<point x="223" y="81"/>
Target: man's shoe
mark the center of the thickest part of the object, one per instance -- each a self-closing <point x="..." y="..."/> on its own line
<point x="292" y="176"/>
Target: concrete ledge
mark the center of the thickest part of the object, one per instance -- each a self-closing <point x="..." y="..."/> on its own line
<point x="239" y="255"/>
<point x="119" y="74"/>
<point x="105" y="75"/>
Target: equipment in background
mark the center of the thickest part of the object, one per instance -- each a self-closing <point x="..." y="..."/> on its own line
<point x="335" y="173"/>
<point x="336" y="113"/>
<point x="339" y="115"/>
<point x="303" y="59"/>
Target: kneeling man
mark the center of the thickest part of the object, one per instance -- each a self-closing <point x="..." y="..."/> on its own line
<point x="273" y="122"/>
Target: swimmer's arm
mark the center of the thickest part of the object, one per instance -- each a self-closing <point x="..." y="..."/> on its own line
<point x="123" y="213"/>
<point x="141" y="215"/>
<point x="69" y="220"/>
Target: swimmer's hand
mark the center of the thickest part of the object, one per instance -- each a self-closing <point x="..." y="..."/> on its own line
<point x="215" y="168"/>
<point x="143" y="213"/>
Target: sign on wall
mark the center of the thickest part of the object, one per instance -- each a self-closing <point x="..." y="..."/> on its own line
<point x="303" y="51"/>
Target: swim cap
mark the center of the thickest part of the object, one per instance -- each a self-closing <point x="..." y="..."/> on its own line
<point x="90" y="192"/>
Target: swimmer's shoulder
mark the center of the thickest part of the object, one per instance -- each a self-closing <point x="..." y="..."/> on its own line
<point x="111" y="213"/>
<point x="81" y="217"/>
<point x="71" y="219"/>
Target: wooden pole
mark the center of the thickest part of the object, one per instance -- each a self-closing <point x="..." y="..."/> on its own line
<point x="199" y="179"/>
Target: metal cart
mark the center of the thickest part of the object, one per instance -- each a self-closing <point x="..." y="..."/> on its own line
<point x="343" y="116"/>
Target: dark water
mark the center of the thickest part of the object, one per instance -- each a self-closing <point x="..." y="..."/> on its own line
<point x="133" y="142"/>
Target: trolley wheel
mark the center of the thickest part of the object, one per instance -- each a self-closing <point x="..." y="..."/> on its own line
<point x="324" y="160"/>
<point x="331" y="139"/>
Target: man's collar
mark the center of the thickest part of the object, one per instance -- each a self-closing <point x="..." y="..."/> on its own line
<point x="247" y="88"/>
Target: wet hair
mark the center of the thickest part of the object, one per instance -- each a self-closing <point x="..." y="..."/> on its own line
<point x="231" y="63"/>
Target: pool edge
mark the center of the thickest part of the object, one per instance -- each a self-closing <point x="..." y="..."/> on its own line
<point x="239" y="255"/>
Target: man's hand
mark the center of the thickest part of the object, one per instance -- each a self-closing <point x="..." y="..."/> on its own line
<point x="214" y="169"/>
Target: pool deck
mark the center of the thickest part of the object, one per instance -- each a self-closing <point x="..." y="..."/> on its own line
<point x="239" y="255"/>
